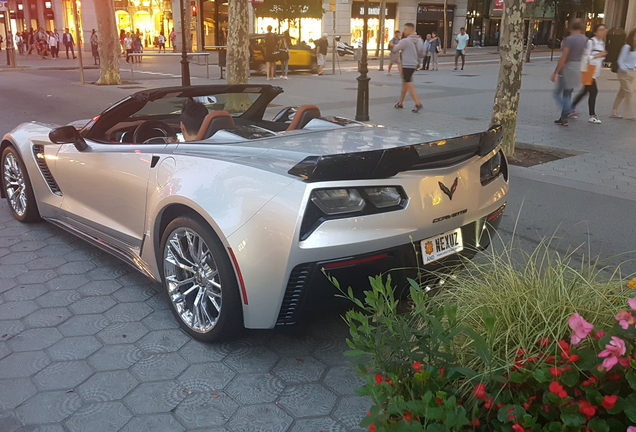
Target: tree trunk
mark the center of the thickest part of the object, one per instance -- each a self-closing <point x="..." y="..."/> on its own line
<point x="108" y="47"/>
<point x="445" y="26"/>
<point x="238" y="56"/>
<point x="530" y="12"/>
<point x="510" y="66"/>
<point x="188" y="25"/>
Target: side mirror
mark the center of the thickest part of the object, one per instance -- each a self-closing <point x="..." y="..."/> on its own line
<point x="68" y="135"/>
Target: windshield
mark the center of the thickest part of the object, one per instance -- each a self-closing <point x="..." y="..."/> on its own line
<point x="234" y="103"/>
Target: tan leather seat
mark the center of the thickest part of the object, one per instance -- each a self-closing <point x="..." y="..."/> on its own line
<point x="304" y="115"/>
<point x="214" y="122"/>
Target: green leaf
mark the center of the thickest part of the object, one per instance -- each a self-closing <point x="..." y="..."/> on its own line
<point x="542" y="375"/>
<point x="571" y="377"/>
<point x="599" y="425"/>
<point x="481" y="347"/>
<point x="436" y="427"/>
<point x="572" y="419"/>
<point x="631" y="379"/>
<point x="555" y="427"/>
<point x="456" y="372"/>
<point x="630" y="409"/>
<point x="517" y="377"/>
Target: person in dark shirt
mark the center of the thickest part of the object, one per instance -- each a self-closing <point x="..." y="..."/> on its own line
<point x="270" y="46"/>
<point x="322" y="45"/>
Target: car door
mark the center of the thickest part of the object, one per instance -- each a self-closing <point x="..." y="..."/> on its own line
<point x="104" y="189"/>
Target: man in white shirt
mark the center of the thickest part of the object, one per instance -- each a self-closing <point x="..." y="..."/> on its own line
<point x="462" y="42"/>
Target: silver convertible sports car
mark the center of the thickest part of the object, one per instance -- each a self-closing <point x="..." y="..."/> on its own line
<point x="240" y="222"/>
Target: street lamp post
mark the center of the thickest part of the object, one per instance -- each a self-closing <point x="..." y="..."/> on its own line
<point x="362" y="107"/>
<point x="78" y="35"/>
<point x="185" y="65"/>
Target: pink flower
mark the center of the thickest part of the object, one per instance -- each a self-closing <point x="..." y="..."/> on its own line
<point x="632" y="303"/>
<point x="612" y="352"/>
<point x="631" y="429"/>
<point x="625" y="319"/>
<point x="580" y="327"/>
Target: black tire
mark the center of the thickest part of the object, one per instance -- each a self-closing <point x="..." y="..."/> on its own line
<point x="314" y="67"/>
<point x="230" y="316"/>
<point x="30" y="212"/>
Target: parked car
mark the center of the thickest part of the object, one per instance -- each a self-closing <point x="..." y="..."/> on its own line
<point x="239" y="224"/>
<point x="301" y="55"/>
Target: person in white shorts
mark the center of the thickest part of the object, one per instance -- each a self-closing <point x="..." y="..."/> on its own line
<point x="322" y="45"/>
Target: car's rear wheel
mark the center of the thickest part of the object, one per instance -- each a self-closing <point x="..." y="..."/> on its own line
<point x="17" y="187"/>
<point x="200" y="281"/>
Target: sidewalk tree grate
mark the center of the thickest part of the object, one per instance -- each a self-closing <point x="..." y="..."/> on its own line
<point x="132" y="87"/>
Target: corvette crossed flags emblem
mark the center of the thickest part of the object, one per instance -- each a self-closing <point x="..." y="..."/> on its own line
<point x="449" y="192"/>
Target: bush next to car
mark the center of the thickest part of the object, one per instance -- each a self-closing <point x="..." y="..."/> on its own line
<point x="458" y="361"/>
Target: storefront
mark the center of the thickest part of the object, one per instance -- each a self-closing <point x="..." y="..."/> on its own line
<point x="213" y="21"/>
<point x="430" y="18"/>
<point x="357" y="23"/>
<point x="301" y="29"/>
<point x="146" y="17"/>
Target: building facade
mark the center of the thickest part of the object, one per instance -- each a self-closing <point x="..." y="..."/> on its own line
<point x="620" y="13"/>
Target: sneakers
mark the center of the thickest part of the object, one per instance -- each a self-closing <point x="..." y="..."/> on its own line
<point x="561" y="122"/>
<point x="573" y="115"/>
<point x="594" y="120"/>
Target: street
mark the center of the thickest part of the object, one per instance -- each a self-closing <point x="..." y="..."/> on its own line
<point x="88" y="344"/>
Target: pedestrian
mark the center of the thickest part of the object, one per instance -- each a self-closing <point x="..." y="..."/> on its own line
<point x="462" y="43"/>
<point x="283" y="49"/>
<point x="137" y="47"/>
<point x="19" y="43"/>
<point x="270" y="46"/>
<point x="128" y="46"/>
<point x="626" y="76"/>
<point x="434" y="48"/>
<point x="52" y="44"/>
<point x="427" y="58"/>
<point x="596" y="49"/>
<point x="322" y="45"/>
<point x="69" y="42"/>
<point x="122" y="36"/>
<point x="95" y="46"/>
<point x="162" y="42"/>
<point x="567" y="74"/>
<point x="394" y="58"/>
<point x="1" y="42"/>
<point x="411" y="48"/>
<point x="173" y="40"/>
<point x="31" y="43"/>
<point x="56" y="35"/>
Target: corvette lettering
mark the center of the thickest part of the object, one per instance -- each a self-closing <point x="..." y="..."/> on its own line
<point x="450" y="216"/>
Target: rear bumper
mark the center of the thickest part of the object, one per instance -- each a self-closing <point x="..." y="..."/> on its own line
<point x="308" y="288"/>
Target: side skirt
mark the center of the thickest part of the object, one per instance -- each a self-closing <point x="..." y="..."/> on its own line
<point x="128" y="256"/>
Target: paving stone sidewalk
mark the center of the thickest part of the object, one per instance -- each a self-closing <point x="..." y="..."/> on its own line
<point x="88" y="344"/>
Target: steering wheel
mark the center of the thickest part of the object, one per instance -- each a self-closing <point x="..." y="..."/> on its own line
<point x="153" y="129"/>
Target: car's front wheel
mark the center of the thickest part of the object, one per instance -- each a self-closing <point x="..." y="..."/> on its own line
<point x="17" y="187"/>
<point x="200" y="281"/>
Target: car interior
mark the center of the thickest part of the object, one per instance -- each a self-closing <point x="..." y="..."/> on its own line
<point x="232" y="117"/>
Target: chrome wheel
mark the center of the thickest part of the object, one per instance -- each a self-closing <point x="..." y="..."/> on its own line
<point x="192" y="279"/>
<point x="14" y="185"/>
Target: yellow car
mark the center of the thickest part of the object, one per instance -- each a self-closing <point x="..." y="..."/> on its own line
<point x="301" y="55"/>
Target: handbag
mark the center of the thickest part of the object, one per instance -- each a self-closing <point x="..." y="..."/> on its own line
<point x="587" y="77"/>
<point x="439" y="49"/>
<point x="283" y="55"/>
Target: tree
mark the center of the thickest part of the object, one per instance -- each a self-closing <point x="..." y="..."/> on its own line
<point x="530" y="10"/>
<point x="108" y="43"/>
<point x="510" y="66"/>
<point x="238" y="55"/>
<point x="290" y="9"/>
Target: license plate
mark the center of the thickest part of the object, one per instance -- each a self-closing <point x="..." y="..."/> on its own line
<point x="442" y="245"/>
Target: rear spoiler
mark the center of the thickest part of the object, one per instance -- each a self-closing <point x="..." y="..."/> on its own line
<point x="378" y="164"/>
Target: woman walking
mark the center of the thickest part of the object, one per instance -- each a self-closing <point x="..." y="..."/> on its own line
<point x="626" y="76"/>
<point x="596" y="49"/>
<point x="94" y="46"/>
<point x="283" y="49"/>
<point x="434" y="46"/>
<point x="270" y="46"/>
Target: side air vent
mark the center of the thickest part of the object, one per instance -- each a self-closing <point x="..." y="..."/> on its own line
<point x="293" y="294"/>
<point x="38" y="152"/>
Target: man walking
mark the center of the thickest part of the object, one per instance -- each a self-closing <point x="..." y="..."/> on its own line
<point x="462" y="42"/>
<point x="173" y="40"/>
<point x="411" y="48"/>
<point x="395" y="56"/>
<point x="322" y="45"/>
<point x="567" y="73"/>
<point x="67" y="40"/>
